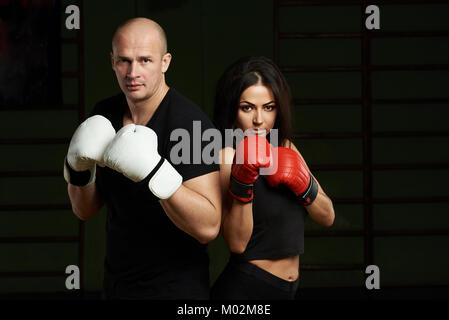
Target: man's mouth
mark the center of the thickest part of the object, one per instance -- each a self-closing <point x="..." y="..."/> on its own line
<point x="133" y="86"/>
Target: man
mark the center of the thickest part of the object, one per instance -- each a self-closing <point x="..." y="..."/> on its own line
<point x="160" y="215"/>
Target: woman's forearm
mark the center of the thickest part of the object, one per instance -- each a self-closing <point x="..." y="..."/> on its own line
<point x="237" y="225"/>
<point x="322" y="210"/>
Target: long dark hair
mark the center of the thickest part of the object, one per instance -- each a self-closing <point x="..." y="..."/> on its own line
<point x="243" y="73"/>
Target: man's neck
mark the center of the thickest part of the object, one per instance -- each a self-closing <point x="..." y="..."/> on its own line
<point x="141" y="112"/>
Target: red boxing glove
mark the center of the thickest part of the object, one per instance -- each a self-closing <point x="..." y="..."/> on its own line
<point x="252" y="153"/>
<point x="293" y="173"/>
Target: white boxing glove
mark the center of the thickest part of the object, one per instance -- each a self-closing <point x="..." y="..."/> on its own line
<point x="133" y="152"/>
<point x="86" y="149"/>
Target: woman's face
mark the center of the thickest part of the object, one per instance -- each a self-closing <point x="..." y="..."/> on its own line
<point x="257" y="110"/>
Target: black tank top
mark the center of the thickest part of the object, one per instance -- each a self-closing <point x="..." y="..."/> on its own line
<point x="278" y="224"/>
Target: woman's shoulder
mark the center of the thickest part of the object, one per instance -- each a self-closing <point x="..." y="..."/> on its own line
<point x="226" y="155"/>
<point x="289" y="144"/>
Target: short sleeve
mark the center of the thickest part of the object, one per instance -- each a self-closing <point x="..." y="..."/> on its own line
<point x="192" y="153"/>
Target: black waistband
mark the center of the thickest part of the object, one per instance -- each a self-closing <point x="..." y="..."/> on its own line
<point x="253" y="270"/>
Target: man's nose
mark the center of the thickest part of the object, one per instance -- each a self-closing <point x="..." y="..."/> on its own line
<point x="132" y="70"/>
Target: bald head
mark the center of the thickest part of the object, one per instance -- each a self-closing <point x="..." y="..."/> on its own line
<point x="141" y="26"/>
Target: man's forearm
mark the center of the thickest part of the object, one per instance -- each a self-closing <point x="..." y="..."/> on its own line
<point x="85" y="201"/>
<point x="194" y="214"/>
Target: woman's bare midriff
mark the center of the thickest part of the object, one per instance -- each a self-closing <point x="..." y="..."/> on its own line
<point x="285" y="268"/>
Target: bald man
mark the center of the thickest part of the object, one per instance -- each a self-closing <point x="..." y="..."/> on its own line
<point x="160" y="214"/>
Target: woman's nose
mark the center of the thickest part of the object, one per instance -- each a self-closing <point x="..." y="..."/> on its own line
<point x="258" y="118"/>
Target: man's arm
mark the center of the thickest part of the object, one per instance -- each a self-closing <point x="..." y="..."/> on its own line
<point x="86" y="150"/>
<point x="85" y="201"/>
<point x="195" y="207"/>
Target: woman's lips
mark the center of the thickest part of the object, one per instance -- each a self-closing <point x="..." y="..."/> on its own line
<point x="259" y="132"/>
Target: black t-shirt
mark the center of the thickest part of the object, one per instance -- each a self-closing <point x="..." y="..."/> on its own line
<point x="147" y="255"/>
<point x="278" y="222"/>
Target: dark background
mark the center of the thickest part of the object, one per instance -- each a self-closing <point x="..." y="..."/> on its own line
<point x="29" y="54"/>
<point x="370" y="118"/>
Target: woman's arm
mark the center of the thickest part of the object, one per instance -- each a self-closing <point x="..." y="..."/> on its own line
<point x="321" y="210"/>
<point x="237" y="217"/>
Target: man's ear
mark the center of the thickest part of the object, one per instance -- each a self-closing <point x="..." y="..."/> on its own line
<point x="112" y="60"/>
<point x="166" y="58"/>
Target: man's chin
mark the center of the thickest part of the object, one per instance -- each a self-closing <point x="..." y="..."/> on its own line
<point x="135" y="97"/>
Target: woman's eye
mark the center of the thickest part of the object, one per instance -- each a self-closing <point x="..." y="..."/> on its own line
<point x="270" y="108"/>
<point x="245" y="108"/>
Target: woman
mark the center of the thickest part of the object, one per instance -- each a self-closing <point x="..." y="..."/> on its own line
<point x="263" y="215"/>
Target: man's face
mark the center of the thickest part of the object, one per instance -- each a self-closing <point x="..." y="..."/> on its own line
<point x="138" y="63"/>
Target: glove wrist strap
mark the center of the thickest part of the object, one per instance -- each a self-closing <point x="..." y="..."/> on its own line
<point x="310" y="194"/>
<point x="78" y="178"/>
<point x="163" y="180"/>
<point x="241" y="191"/>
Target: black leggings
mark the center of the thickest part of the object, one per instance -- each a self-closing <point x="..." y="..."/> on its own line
<point x="246" y="281"/>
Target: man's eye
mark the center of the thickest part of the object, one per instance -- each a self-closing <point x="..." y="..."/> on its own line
<point x="146" y="60"/>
